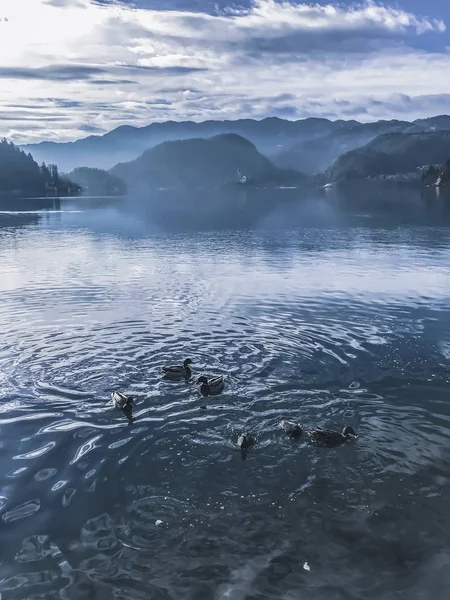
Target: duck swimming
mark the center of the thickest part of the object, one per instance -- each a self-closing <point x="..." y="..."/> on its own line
<point x="245" y="441"/>
<point x="178" y="371"/>
<point x="122" y="401"/>
<point x="212" y="386"/>
<point x="293" y="430"/>
<point x="328" y="437"/>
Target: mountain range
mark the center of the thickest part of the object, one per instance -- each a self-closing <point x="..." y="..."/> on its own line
<point x="309" y="145"/>
<point x="272" y="152"/>
<point x="127" y="143"/>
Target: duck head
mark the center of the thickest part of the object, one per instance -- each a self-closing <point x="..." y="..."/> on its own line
<point x="349" y="432"/>
<point x="296" y="431"/>
<point x="187" y="362"/>
<point x="292" y="429"/>
<point x="202" y="379"/>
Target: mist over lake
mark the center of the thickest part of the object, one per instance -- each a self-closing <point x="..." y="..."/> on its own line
<point x="325" y="308"/>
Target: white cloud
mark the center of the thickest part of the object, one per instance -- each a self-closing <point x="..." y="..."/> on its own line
<point x="132" y="65"/>
<point x="270" y="15"/>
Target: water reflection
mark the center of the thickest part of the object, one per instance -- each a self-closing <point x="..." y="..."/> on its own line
<point x="260" y="209"/>
<point x="268" y="209"/>
<point x="340" y="318"/>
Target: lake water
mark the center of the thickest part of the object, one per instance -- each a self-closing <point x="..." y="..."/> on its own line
<point x="326" y="311"/>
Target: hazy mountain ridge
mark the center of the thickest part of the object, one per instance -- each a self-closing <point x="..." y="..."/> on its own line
<point x="392" y="154"/>
<point x="316" y="155"/>
<point x="203" y="163"/>
<point x="127" y="142"/>
<point x="308" y="145"/>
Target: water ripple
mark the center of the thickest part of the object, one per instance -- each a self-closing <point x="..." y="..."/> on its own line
<point x="23" y="511"/>
<point x="36" y="453"/>
<point x="325" y="327"/>
<point x="85" y="448"/>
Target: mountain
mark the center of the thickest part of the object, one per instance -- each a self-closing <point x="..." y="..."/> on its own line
<point x="392" y="154"/>
<point x="441" y="122"/>
<point x="307" y="145"/>
<point x="202" y="163"/>
<point x="20" y="175"/>
<point x="315" y="156"/>
<point x="126" y="142"/>
<point x="97" y="182"/>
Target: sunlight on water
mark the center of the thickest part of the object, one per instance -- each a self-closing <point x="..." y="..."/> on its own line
<point x="326" y="325"/>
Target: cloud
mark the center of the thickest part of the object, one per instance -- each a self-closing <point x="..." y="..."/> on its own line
<point x="51" y="72"/>
<point x="270" y="15"/>
<point x="60" y="102"/>
<point x="269" y="26"/>
<point x="64" y="3"/>
<point x="169" y="70"/>
<point x="112" y="82"/>
<point x="24" y="118"/>
<point x="92" y="129"/>
<point x="366" y="107"/>
<point x="81" y="3"/>
<point x="126" y="64"/>
<point x="81" y="72"/>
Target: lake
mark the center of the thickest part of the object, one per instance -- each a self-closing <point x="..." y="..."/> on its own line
<point x="330" y="311"/>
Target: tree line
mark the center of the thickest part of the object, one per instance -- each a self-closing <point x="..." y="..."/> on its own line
<point x="21" y="175"/>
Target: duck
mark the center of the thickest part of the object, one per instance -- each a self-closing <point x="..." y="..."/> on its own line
<point x="328" y="437"/>
<point x="293" y="430"/>
<point x="122" y="401"/>
<point x="211" y="386"/>
<point x="245" y="441"/>
<point x="179" y="371"/>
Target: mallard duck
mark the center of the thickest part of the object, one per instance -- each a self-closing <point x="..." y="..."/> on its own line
<point x="179" y="371"/>
<point x="245" y="440"/>
<point x="328" y="437"/>
<point x="293" y="430"/>
<point x="212" y="386"/>
<point x="121" y="401"/>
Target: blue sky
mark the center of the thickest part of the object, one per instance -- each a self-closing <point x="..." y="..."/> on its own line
<point x="69" y="68"/>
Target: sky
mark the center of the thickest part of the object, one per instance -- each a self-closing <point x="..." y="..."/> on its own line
<point x="72" y="68"/>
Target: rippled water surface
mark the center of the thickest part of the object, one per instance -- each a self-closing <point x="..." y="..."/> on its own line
<point x="341" y="321"/>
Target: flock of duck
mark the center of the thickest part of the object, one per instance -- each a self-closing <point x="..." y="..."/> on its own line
<point x="214" y="385"/>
